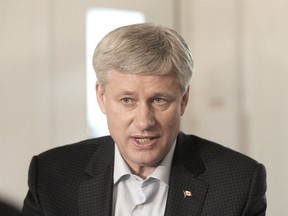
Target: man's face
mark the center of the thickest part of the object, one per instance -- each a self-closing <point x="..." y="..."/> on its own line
<point x="143" y="114"/>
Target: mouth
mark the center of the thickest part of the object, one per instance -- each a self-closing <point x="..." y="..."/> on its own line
<point x="145" y="142"/>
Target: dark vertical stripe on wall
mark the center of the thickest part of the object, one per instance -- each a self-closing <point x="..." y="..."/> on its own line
<point x="242" y="115"/>
<point x="51" y="64"/>
<point x="177" y="15"/>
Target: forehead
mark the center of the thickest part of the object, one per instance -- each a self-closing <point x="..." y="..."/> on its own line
<point x="119" y="80"/>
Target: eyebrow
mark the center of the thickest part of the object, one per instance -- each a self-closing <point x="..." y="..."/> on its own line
<point x="153" y="95"/>
<point x="126" y="92"/>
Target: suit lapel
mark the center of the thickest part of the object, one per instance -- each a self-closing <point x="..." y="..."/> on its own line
<point x="95" y="193"/>
<point x="186" y="192"/>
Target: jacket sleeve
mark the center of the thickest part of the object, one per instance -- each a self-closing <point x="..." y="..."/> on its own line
<point x="256" y="203"/>
<point x="32" y="206"/>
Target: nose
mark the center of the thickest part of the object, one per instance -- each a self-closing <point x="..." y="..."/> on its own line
<point x="144" y="117"/>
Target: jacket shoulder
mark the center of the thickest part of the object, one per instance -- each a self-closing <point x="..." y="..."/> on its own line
<point x="79" y="149"/>
<point x="212" y="151"/>
<point x="70" y="161"/>
<point x="55" y="175"/>
<point x="237" y="183"/>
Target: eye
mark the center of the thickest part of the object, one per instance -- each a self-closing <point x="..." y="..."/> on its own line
<point x="160" y="101"/>
<point x="127" y="101"/>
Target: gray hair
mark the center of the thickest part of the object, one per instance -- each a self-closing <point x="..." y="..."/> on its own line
<point x="145" y="49"/>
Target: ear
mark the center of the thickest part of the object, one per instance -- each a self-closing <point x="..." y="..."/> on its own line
<point x="101" y="97"/>
<point x="184" y="100"/>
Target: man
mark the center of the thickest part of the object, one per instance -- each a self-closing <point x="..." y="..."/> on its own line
<point x="147" y="166"/>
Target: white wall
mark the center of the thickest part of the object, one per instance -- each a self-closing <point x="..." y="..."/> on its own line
<point x="238" y="94"/>
<point x="25" y="91"/>
<point x="215" y="107"/>
<point x="265" y="52"/>
<point x="241" y="50"/>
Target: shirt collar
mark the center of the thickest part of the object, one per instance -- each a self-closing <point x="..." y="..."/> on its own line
<point x="162" y="171"/>
<point x="120" y="166"/>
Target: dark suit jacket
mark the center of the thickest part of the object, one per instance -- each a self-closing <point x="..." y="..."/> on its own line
<point x="78" y="180"/>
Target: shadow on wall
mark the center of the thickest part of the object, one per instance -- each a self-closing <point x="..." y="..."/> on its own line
<point x="7" y="209"/>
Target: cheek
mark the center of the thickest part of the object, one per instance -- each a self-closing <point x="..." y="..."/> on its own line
<point x="170" y="118"/>
<point x="117" y="119"/>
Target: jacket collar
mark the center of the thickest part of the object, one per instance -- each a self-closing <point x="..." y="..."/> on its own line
<point x="96" y="192"/>
<point x="185" y="188"/>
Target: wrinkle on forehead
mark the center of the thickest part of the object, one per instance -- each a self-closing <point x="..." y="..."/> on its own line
<point x="144" y="80"/>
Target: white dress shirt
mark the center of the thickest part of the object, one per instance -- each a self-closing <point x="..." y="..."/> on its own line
<point x="134" y="196"/>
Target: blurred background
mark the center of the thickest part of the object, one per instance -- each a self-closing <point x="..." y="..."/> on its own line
<point x="238" y="92"/>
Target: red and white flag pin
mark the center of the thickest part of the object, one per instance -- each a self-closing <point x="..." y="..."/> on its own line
<point x="187" y="193"/>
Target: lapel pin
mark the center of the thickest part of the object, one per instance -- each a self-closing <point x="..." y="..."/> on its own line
<point x="187" y="194"/>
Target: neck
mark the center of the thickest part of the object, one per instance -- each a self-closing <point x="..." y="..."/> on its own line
<point x="142" y="171"/>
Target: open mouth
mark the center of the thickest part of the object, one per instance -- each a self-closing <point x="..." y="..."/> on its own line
<point x="145" y="142"/>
